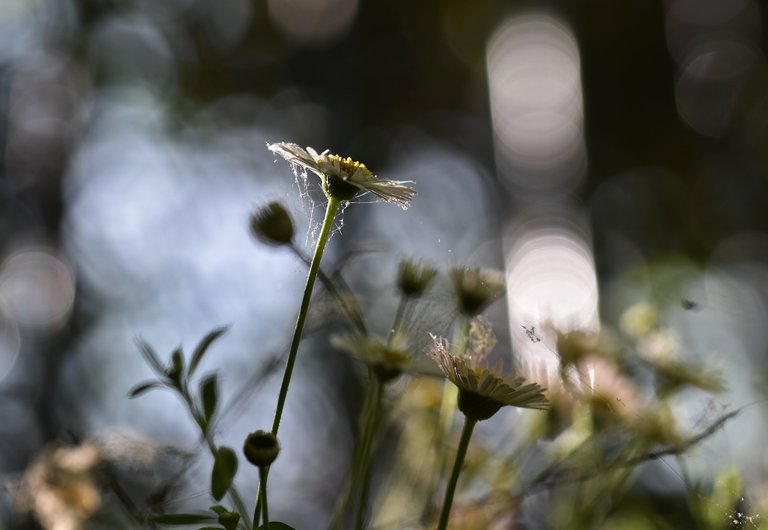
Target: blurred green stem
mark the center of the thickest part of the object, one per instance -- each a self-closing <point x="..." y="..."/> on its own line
<point x="369" y="435"/>
<point x="446" y="415"/>
<point x="461" y="452"/>
<point x="339" y="291"/>
<point x="325" y="231"/>
<point x="263" y="472"/>
<point x="340" y="511"/>
<point x="398" y="322"/>
<point x="237" y="500"/>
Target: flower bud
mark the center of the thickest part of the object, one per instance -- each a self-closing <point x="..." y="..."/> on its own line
<point x="272" y="225"/>
<point x="261" y="448"/>
<point x="413" y="278"/>
<point x="476" y="289"/>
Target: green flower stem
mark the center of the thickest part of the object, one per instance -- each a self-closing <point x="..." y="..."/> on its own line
<point x="371" y="428"/>
<point x="263" y="473"/>
<point x="398" y="322"/>
<point x="325" y="231"/>
<point x="461" y="339"/>
<point x="447" y="412"/>
<point x="339" y="291"/>
<point x="237" y="500"/>
<point x="314" y="268"/>
<point x="344" y="499"/>
<point x="461" y="452"/>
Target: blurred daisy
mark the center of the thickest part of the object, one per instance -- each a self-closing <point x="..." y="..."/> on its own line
<point x="344" y="178"/>
<point x="387" y="359"/>
<point x="483" y="391"/>
<point x="476" y="288"/>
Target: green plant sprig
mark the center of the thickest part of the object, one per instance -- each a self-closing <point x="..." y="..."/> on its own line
<point x="176" y="376"/>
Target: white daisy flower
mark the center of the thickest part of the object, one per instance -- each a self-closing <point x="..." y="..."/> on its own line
<point x="344" y="178"/>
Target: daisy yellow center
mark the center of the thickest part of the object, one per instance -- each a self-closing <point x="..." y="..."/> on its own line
<point x="342" y="176"/>
<point x="346" y="166"/>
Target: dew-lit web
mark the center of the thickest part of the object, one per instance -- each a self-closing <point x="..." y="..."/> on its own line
<point x="310" y="205"/>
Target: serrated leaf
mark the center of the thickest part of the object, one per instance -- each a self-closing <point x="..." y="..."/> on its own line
<point x="144" y="387"/>
<point x="276" y="525"/>
<point x="150" y="356"/>
<point x="224" y="469"/>
<point x="209" y="393"/>
<point x="202" y="348"/>
<point x="183" y="518"/>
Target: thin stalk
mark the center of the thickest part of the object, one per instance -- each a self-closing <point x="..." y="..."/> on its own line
<point x="370" y="434"/>
<point x="339" y="291"/>
<point x="461" y="338"/>
<point x="263" y="472"/>
<point x="314" y="267"/>
<point x="693" y="502"/>
<point x="325" y="231"/>
<point x="372" y="407"/>
<point x="237" y="500"/>
<point x="341" y="506"/>
<point x="461" y="452"/>
<point x="445" y="417"/>
<point x="398" y="322"/>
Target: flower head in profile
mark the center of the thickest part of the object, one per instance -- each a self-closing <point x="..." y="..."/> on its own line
<point x="483" y="391"/>
<point x="343" y="178"/>
<point x="476" y="288"/>
<point x="388" y="359"/>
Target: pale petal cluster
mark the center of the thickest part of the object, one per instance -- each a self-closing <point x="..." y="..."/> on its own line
<point x="330" y="166"/>
<point x="471" y="374"/>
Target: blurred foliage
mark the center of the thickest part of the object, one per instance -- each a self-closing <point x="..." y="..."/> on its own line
<point x="131" y="134"/>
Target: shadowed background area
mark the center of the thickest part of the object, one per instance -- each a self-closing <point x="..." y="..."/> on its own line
<point x="600" y="153"/>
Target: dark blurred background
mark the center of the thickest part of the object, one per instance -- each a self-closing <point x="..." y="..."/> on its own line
<point x="585" y="146"/>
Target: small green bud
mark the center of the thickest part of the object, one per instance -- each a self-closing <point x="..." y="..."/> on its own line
<point x="476" y="289"/>
<point x="413" y="278"/>
<point x="229" y="520"/>
<point x="272" y="225"/>
<point x="261" y="448"/>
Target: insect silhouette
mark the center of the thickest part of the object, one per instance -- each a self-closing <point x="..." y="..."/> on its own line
<point x="531" y="332"/>
<point x="690" y="305"/>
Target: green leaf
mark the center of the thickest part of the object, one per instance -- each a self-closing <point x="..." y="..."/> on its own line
<point x="219" y="509"/>
<point x="276" y="525"/>
<point x="229" y="520"/>
<point x="150" y="356"/>
<point x="224" y="469"/>
<point x="183" y="518"/>
<point x="209" y="394"/>
<point x="202" y="348"/>
<point x="176" y="370"/>
<point x="144" y="387"/>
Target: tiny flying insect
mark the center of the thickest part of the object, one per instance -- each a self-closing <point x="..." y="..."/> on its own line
<point x="531" y="332"/>
<point x="690" y="305"/>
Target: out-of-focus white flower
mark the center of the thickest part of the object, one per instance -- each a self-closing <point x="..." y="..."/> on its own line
<point x="639" y="319"/>
<point x="59" y="488"/>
